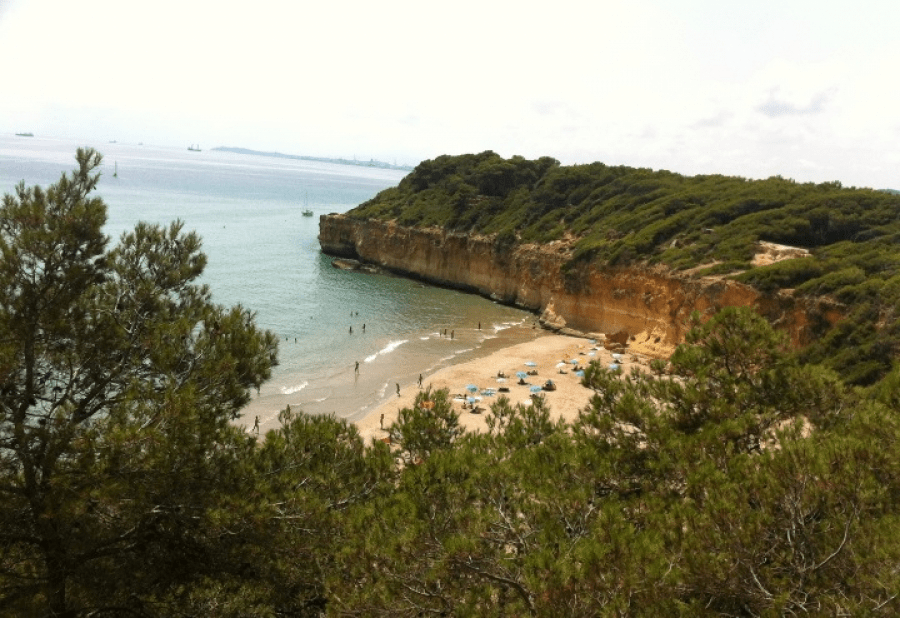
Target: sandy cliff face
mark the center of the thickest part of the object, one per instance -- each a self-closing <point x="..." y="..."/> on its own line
<point x="651" y="305"/>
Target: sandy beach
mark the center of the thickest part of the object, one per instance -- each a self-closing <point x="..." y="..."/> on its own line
<point x="545" y="352"/>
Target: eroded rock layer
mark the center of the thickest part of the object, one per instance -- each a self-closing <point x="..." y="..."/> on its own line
<point x="652" y="305"/>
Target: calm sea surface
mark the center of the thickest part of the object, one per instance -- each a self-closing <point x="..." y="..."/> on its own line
<point x="265" y="255"/>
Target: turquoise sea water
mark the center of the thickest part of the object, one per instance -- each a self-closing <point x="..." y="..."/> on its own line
<point x="265" y="255"/>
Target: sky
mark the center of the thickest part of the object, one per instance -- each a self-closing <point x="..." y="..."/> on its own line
<point x="807" y="90"/>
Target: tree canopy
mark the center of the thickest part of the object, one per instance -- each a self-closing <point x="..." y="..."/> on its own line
<point x="119" y="378"/>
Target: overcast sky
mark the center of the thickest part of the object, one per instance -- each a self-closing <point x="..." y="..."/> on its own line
<point x="805" y="89"/>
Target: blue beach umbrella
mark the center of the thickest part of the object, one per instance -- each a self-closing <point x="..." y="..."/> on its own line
<point x="471" y="388"/>
<point x="574" y="361"/>
<point x="615" y="367"/>
<point x="579" y="373"/>
<point x="535" y="389"/>
<point x="521" y="375"/>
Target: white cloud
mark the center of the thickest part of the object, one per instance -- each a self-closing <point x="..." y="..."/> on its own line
<point x="799" y="89"/>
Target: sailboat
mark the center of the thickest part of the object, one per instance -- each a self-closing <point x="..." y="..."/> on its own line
<point x="306" y="211"/>
<point x="116" y="172"/>
<point x="194" y="148"/>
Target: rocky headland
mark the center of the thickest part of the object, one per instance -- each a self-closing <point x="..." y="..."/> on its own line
<point x="646" y="308"/>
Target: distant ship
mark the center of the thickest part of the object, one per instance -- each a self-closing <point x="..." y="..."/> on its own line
<point x="194" y="147"/>
<point x="306" y="211"/>
<point x="25" y="134"/>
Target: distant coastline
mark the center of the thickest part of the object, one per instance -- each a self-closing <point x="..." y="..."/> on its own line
<point x="369" y="163"/>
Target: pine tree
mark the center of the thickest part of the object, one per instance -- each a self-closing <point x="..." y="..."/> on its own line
<point x="119" y="379"/>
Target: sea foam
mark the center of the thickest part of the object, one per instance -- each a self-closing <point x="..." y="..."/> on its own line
<point x="290" y="390"/>
<point x="393" y="345"/>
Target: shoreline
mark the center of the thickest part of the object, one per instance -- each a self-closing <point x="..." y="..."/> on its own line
<point x="355" y="397"/>
<point x="526" y="331"/>
<point x="546" y="351"/>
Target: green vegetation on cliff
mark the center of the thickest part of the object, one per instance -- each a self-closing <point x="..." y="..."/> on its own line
<point x="623" y="215"/>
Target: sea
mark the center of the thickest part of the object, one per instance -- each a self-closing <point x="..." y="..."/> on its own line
<point x="264" y="255"/>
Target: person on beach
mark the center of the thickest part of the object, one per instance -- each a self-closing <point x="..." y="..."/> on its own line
<point x="256" y="425"/>
<point x="364" y="328"/>
<point x="398" y="389"/>
<point x="351" y="330"/>
<point x="357" y="368"/>
<point x="382" y="421"/>
<point x="420" y="380"/>
<point x="451" y="333"/>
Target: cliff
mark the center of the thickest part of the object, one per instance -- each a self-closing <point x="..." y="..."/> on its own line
<point x="651" y="305"/>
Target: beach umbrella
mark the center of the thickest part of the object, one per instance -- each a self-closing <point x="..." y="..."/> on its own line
<point x="530" y="364"/>
<point x="559" y="365"/>
<point x="501" y="380"/>
<point x="617" y="356"/>
<point x="615" y="367"/>
<point x="579" y="373"/>
<point x="535" y="389"/>
<point x="521" y="375"/>
<point x="574" y="361"/>
<point x="471" y="388"/>
<point x="471" y="400"/>
<point x="488" y="391"/>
